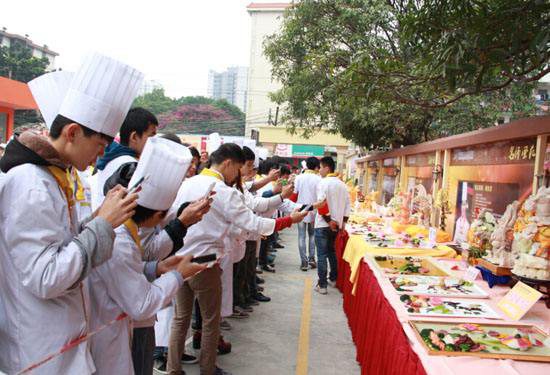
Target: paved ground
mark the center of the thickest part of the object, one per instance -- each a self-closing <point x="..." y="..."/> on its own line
<point x="276" y="339"/>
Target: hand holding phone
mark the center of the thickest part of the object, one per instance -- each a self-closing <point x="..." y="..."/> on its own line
<point x="204" y="259"/>
<point x="138" y="184"/>
<point x="209" y="190"/>
<point x="306" y="207"/>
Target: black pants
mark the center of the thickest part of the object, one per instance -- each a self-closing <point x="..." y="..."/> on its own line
<point x="239" y="281"/>
<point x="143" y="346"/>
<point x="250" y="270"/>
<point x="265" y="248"/>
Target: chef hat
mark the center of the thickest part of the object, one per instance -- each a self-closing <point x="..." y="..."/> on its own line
<point x="101" y="94"/>
<point x="49" y="91"/>
<point x="263" y="152"/>
<point x="213" y="142"/>
<point x="164" y="164"/>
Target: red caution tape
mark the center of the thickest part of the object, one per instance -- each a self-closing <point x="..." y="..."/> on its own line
<point x="72" y="344"/>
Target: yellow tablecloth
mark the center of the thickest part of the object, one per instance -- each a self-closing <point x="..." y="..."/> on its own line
<point x="415" y="230"/>
<point x="357" y="248"/>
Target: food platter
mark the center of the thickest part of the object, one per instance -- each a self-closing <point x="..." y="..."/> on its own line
<point x="489" y="340"/>
<point x="408" y="265"/>
<point x="445" y="307"/>
<point x="437" y="286"/>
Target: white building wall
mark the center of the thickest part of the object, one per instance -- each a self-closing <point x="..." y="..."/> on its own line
<point x="263" y="23"/>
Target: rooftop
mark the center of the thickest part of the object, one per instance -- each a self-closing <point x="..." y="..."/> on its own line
<point x="523" y="128"/>
<point x="15" y="95"/>
<point x="255" y="7"/>
<point x="29" y="42"/>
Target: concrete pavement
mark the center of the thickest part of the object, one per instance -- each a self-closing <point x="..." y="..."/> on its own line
<point x="299" y="332"/>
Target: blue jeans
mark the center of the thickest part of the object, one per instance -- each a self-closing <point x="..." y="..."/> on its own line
<point x="324" y="239"/>
<point x="302" y="228"/>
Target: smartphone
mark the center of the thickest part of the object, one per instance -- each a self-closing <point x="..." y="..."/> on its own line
<point x="284" y="182"/>
<point x="209" y="190"/>
<point x="204" y="259"/>
<point x="307" y="207"/>
<point x="137" y="184"/>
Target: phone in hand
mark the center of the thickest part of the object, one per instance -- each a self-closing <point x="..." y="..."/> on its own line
<point x="209" y="190"/>
<point x="204" y="259"/>
<point x="137" y="185"/>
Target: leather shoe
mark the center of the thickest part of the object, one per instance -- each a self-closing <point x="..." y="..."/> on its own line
<point x="259" y="280"/>
<point x="268" y="268"/>
<point x="261" y="298"/>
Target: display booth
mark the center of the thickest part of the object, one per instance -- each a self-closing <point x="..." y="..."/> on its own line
<point x="14" y="95"/>
<point x="445" y="265"/>
<point x="484" y="169"/>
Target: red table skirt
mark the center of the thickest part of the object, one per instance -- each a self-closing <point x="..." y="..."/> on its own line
<point x="382" y="346"/>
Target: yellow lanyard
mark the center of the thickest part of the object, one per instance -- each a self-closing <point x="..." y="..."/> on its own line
<point x="309" y="171"/>
<point x="61" y="176"/>
<point x="332" y="175"/>
<point x="79" y="194"/>
<point x="212" y="173"/>
<point x="133" y="229"/>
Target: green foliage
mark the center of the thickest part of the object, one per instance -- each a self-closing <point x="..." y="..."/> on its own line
<point x="17" y="63"/>
<point x="389" y="73"/>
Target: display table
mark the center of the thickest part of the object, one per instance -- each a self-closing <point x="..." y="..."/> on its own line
<point x="356" y="248"/>
<point x="385" y="342"/>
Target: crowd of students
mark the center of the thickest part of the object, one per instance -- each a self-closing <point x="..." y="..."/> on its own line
<point x="98" y="236"/>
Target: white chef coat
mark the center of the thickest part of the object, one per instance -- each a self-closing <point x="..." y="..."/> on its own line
<point x="45" y="307"/>
<point x="119" y="286"/>
<point x="336" y="193"/>
<point x="228" y="208"/>
<point x="305" y="186"/>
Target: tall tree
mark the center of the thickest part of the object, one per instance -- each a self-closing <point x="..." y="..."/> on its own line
<point x="387" y="73"/>
<point x="18" y="63"/>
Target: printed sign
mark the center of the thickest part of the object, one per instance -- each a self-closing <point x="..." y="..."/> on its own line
<point x="518" y="301"/>
<point x="521" y="151"/>
<point x="471" y="274"/>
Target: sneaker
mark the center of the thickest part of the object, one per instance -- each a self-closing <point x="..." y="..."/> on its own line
<point x="304" y="267"/>
<point x="320" y="290"/>
<point x="313" y="264"/>
<point x="246" y="308"/>
<point x="159" y="367"/>
<point x="253" y="302"/>
<point x="224" y="347"/>
<point x="332" y="283"/>
<point x="268" y="268"/>
<point x="197" y="340"/>
<point x="188" y="359"/>
<point x="261" y="298"/>
<point x="220" y="371"/>
<point x="259" y="280"/>
<point x="259" y="270"/>
<point x="224" y="324"/>
<point x="238" y="313"/>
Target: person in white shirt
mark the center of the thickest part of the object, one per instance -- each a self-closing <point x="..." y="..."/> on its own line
<point x="207" y="238"/>
<point x="306" y="189"/>
<point x="138" y="126"/>
<point x="45" y="253"/>
<point x="333" y="209"/>
<point x="120" y="286"/>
